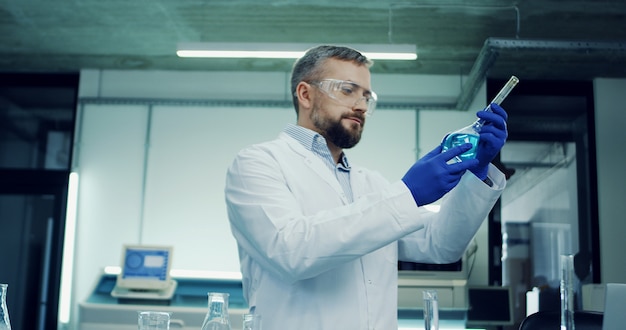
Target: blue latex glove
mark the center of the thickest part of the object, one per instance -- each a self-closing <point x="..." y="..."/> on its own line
<point x="431" y="177"/>
<point x="492" y="137"/>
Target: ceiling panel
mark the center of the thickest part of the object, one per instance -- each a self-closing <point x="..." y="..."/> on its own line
<point x="38" y="35"/>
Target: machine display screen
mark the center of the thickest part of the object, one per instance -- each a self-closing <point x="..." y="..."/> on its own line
<point x="145" y="267"/>
<point x="146" y="264"/>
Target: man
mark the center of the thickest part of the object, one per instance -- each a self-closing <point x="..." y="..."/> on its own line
<point x="319" y="238"/>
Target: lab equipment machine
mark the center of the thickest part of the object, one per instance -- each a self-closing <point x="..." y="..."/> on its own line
<point x="145" y="273"/>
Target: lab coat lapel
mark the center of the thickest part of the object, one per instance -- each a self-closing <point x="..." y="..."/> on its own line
<point x="318" y="166"/>
<point x="312" y="161"/>
<point x="357" y="181"/>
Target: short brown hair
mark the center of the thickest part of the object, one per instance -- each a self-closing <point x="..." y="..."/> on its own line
<point x="310" y="65"/>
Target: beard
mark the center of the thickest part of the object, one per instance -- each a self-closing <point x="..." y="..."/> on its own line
<point x="334" y="132"/>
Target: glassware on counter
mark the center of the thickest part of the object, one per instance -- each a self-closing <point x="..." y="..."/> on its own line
<point x="217" y="317"/>
<point x="150" y="320"/>
<point x="568" y="279"/>
<point x="252" y="322"/>
<point x="5" y="324"/>
<point x="431" y="310"/>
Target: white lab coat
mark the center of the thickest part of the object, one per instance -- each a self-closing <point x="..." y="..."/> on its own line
<point x="311" y="260"/>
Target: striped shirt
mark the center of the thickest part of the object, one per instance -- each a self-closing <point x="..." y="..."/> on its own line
<point x="316" y="143"/>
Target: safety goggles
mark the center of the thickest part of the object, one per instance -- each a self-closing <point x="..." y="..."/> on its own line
<point x="347" y="93"/>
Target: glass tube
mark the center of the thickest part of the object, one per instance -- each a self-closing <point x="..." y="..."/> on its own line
<point x="567" y="292"/>
<point x="5" y="324"/>
<point x="431" y="310"/>
<point x="149" y="320"/>
<point x="252" y="322"/>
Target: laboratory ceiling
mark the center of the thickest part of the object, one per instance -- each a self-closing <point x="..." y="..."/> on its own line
<point x="536" y="39"/>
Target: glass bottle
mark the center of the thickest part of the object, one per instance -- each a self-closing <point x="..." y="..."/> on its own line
<point x="251" y="322"/>
<point x="567" y="292"/>
<point x="153" y="320"/>
<point x="471" y="133"/>
<point x="217" y="316"/>
<point x="431" y="310"/>
<point x="5" y="324"/>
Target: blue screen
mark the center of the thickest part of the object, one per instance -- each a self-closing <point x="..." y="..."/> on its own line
<point x="146" y="264"/>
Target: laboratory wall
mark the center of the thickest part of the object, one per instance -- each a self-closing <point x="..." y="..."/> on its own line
<point x="152" y="149"/>
<point x="610" y="120"/>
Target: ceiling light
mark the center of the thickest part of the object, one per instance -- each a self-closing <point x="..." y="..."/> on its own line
<point x="288" y="50"/>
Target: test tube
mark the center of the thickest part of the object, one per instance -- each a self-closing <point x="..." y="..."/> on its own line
<point x="568" y="277"/>
<point x="431" y="310"/>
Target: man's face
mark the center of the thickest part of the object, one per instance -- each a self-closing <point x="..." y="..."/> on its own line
<point x="340" y="124"/>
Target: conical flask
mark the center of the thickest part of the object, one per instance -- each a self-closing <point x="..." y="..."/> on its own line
<point x="217" y="316"/>
<point x="471" y="133"/>
<point x="5" y="324"/>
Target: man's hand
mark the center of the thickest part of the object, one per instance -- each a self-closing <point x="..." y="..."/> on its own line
<point x="431" y="177"/>
<point x="492" y="137"/>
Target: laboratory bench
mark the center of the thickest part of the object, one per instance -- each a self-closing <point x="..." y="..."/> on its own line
<point x="188" y="307"/>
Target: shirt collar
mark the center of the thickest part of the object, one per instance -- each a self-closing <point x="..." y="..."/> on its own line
<point x="314" y="142"/>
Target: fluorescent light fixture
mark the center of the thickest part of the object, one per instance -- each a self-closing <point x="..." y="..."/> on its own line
<point x="67" y="267"/>
<point x="288" y="50"/>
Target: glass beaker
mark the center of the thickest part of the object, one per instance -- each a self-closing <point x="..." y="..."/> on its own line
<point x="568" y="278"/>
<point x="217" y="317"/>
<point x="251" y="322"/>
<point x="5" y="324"/>
<point x="150" y="320"/>
<point x="431" y="310"/>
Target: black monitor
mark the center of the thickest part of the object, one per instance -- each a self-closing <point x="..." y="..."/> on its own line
<point x="490" y="305"/>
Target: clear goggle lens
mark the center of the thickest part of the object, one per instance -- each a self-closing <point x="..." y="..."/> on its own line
<point x="348" y="93"/>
